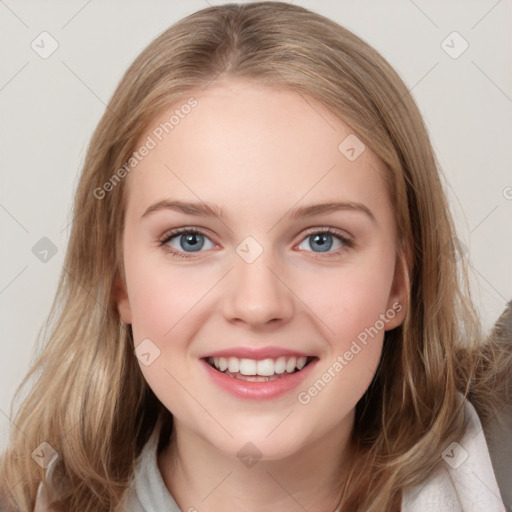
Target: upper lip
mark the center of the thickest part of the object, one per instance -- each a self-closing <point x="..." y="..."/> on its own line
<point x="255" y="353"/>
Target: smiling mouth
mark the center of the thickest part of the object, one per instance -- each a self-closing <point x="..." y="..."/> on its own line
<point x="253" y="370"/>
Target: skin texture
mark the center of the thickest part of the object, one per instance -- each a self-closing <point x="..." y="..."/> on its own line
<point x="258" y="152"/>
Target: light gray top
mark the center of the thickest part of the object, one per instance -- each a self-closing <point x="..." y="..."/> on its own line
<point x="148" y="492"/>
<point x="464" y="483"/>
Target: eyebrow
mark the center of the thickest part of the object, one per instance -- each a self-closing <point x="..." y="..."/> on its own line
<point x="203" y="209"/>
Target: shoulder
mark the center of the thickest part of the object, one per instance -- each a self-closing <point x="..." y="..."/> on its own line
<point x="464" y="481"/>
<point x="148" y="492"/>
<point x="498" y="434"/>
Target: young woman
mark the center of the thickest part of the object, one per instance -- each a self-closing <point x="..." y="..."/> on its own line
<point x="260" y="307"/>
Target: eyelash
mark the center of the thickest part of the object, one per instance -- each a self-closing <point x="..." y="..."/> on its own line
<point x="347" y="242"/>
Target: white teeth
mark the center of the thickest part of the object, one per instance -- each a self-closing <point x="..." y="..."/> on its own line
<point x="290" y="365"/>
<point x="301" y="362"/>
<point x="264" y="368"/>
<point x="234" y="364"/>
<point x="280" y="365"/>
<point x="248" y="367"/>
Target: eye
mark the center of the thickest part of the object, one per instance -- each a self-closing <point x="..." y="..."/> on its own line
<point x="326" y="240"/>
<point x="183" y="242"/>
<point x="180" y="242"/>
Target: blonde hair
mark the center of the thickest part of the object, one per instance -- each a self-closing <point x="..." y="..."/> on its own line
<point x="90" y="401"/>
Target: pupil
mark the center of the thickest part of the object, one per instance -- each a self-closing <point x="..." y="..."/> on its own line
<point x="192" y="240"/>
<point x="320" y="239"/>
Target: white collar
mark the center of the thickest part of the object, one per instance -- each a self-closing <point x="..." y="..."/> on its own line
<point x="465" y="481"/>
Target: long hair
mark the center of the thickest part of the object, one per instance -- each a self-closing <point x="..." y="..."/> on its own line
<point x="88" y="399"/>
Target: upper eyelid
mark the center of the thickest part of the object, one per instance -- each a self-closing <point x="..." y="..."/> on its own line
<point x="172" y="233"/>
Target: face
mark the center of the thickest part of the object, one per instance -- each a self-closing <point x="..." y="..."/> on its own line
<point x="256" y="275"/>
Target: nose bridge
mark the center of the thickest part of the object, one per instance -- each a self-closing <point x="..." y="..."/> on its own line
<point x="255" y="293"/>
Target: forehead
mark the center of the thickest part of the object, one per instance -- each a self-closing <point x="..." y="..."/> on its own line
<point x="246" y="144"/>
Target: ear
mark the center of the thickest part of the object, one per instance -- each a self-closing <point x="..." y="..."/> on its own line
<point x="398" y="300"/>
<point x="121" y="300"/>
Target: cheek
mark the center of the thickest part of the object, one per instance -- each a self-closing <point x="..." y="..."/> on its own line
<point x="161" y="299"/>
<point x="350" y="302"/>
<point x="353" y="318"/>
<point x="166" y="305"/>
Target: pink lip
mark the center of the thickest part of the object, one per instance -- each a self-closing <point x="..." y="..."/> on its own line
<point x="258" y="390"/>
<point x="255" y="353"/>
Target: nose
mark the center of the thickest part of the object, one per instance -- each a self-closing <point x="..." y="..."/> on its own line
<point x="256" y="295"/>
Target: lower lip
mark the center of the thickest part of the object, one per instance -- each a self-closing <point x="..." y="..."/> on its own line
<point x="258" y="390"/>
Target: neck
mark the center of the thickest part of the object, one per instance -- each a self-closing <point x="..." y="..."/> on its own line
<point x="200" y="477"/>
